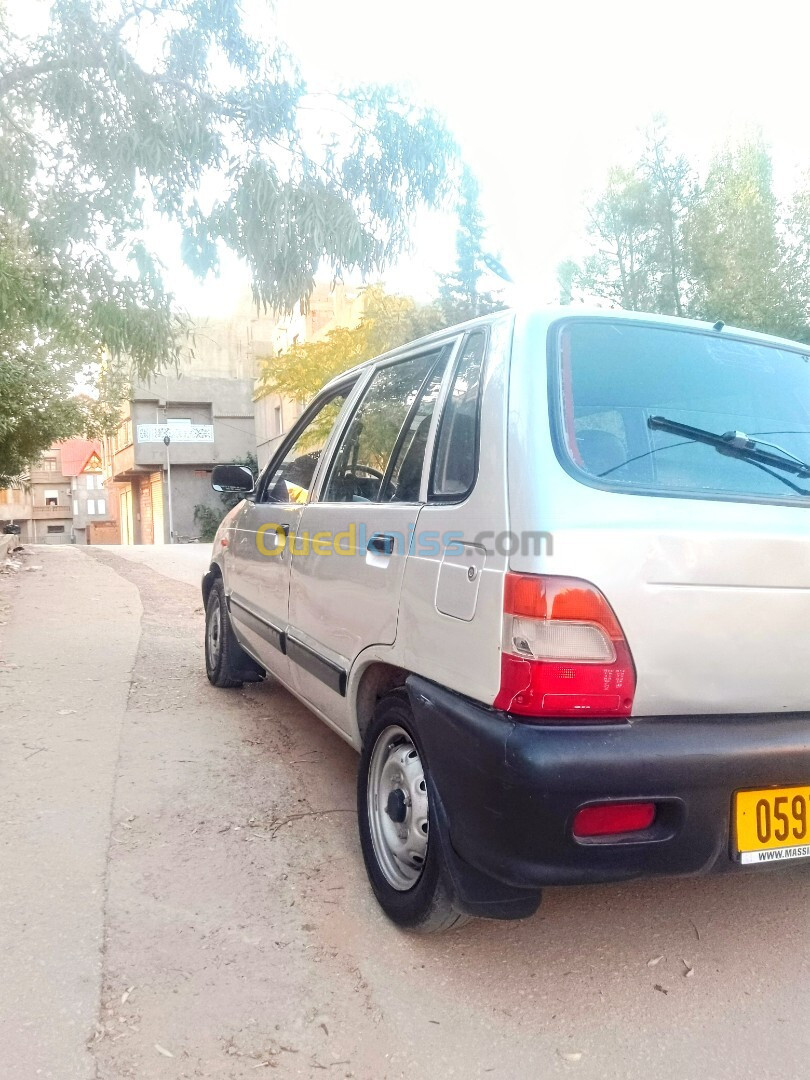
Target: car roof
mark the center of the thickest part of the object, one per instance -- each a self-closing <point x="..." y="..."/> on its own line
<point x="555" y="314"/>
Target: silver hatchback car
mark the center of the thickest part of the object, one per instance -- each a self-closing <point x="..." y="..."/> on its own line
<point x="549" y="573"/>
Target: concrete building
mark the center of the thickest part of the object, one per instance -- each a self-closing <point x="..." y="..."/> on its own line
<point x="207" y="410"/>
<point x="207" y="420"/>
<point x="16" y="508"/>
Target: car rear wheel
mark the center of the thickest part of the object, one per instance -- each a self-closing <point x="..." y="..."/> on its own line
<point x="226" y="663"/>
<point x="404" y="867"/>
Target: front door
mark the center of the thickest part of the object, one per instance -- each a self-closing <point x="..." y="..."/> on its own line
<point x="352" y="542"/>
<point x="259" y="548"/>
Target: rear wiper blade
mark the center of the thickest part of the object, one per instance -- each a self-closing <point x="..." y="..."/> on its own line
<point x="736" y="444"/>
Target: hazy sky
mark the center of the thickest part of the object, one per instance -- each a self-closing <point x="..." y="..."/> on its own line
<point x="543" y="98"/>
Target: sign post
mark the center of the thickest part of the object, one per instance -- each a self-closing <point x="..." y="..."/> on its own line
<point x="167" y="440"/>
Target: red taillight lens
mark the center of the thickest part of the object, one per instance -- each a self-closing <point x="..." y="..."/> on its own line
<point x="564" y="654"/>
<point x="609" y="819"/>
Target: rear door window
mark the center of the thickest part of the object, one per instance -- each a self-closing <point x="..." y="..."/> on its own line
<point x="613" y="377"/>
<point x="456" y="460"/>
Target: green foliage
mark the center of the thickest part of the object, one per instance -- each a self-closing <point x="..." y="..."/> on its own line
<point x="738" y="257"/>
<point x="387" y="322"/>
<point x="460" y="297"/>
<point x="636" y="226"/>
<point x="125" y="110"/>
<point x="725" y="249"/>
<point x="207" y="517"/>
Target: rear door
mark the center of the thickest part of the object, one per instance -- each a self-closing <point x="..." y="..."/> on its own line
<point x="352" y="542"/>
<point x="258" y="577"/>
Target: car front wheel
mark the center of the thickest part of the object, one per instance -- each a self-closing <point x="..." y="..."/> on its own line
<point x="405" y="868"/>
<point x="226" y="663"/>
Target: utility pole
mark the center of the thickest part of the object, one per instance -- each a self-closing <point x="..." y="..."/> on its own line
<point x="167" y="440"/>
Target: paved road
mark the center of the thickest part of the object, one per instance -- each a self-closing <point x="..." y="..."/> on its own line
<point x="180" y="562"/>
<point x="182" y="894"/>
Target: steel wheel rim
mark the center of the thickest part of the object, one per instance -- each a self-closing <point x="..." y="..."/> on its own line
<point x="213" y="635"/>
<point x="398" y="808"/>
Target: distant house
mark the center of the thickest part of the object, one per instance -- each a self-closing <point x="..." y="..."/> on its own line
<point x="94" y="513"/>
<point x="62" y="499"/>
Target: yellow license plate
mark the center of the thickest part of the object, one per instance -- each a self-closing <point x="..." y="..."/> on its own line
<point x="772" y="825"/>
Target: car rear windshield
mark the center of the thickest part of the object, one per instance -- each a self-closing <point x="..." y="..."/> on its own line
<point x="614" y="376"/>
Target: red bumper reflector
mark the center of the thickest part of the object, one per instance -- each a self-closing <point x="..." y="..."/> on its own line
<point x="608" y="819"/>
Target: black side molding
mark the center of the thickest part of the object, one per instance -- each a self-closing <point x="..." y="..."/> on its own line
<point x="329" y="673"/>
<point x="276" y="637"/>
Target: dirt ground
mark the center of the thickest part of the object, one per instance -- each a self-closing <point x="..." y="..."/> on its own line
<point x="182" y="893"/>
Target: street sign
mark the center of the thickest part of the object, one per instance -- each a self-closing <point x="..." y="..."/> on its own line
<point x="178" y="433"/>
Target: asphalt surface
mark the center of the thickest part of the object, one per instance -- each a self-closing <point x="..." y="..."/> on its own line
<point x="182" y="894"/>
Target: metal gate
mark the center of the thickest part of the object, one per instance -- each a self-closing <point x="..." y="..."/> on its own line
<point x="159" y="536"/>
<point x="125" y="504"/>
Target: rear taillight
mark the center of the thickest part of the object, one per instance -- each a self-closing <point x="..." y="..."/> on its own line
<point x="564" y="653"/>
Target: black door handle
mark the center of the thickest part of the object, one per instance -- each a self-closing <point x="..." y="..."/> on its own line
<point x="381" y="544"/>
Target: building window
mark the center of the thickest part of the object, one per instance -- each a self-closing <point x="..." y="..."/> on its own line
<point x="91" y="506"/>
<point x="94" y="482"/>
<point x="48" y="464"/>
<point x="101" y="506"/>
<point x="56" y="528"/>
<point x="177" y="421"/>
<point x="279" y="421"/>
<point x="75" y="507"/>
<point x="51" y="497"/>
<point x="123" y="437"/>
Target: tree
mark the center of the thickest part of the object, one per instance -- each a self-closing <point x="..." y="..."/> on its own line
<point x="126" y="112"/>
<point x="460" y="297"/>
<point x="726" y="250"/>
<point x="737" y="254"/>
<point x="387" y="322"/>
<point x="621" y="229"/>
<point x="796" y="239"/>
<point x="636" y="227"/>
<point x="672" y="193"/>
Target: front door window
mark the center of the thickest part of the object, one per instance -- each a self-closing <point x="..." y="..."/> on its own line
<point x="291" y="479"/>
<point x="373" y="436"/>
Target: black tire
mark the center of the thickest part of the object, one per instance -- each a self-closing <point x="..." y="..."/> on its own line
<point x="426" y="906"/>
<point x="227" y="665"/>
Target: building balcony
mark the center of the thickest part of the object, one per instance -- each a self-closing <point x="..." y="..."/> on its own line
<point x="45" y="476"/>
<point x="46" y="512"/>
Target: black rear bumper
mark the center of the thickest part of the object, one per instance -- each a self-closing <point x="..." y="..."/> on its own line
<point x="509" y="790"/>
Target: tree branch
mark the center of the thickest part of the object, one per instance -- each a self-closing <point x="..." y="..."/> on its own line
<point x="28" y="72"/>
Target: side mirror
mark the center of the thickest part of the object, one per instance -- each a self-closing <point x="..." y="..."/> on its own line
<point x="232" y="478"/>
